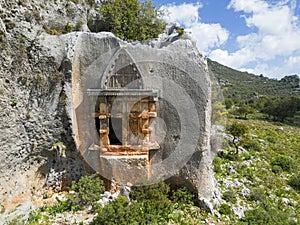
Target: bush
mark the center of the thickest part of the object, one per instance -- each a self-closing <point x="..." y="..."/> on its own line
<point x="225" y="209"/>
<point x="295" y="182"/>
<point x="157" y="191"/>
<point x="217" y="164"/>
<point x="267" y="217"/>
<point x="87" y="190"/>
<point x="114" y="213"/>
<point x="252" y="145"/>
<point x="229" y="196"/>
<point x="230" y="156"/>
<point x="285" y="162"/>
<point x="277" y="169"/>
<point x="60" y="207"/>
<point x="258" y="194"/>
<point x="183" y="196"/>
<point x="149" y="205"/>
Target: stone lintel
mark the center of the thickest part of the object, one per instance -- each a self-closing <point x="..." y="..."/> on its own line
<point x="123" y="92"/>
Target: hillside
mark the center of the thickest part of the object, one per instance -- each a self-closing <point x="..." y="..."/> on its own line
<point x="236" y="84"/>
<point x="258" y="178"/>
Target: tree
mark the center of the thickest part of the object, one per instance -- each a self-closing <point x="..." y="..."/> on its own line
<point x="131" y="20"/>
<point x="245" y="109"/>
<point x="237" y="130"/>
<point x="281" y="108"/>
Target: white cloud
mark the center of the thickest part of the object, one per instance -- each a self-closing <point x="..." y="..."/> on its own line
<point x="293" y="61"/>
<point x="276" y="36"/>
<point x="248" y="6"/>
<point x="184" y="14"/>
<point x="271" y="46"/>
<point x="208" y="36"/>
<point x="243" y="55"/>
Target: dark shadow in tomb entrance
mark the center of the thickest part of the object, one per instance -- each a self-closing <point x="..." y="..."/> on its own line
<point x="115" y="131"/>
<point x="97" y="123"/>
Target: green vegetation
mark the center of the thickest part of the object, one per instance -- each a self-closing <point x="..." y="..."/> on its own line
<point x="295" y="182"/>
<point x="225" y="209"/>
<point x="131" y="20"/>
<point x="240" y="86"/>
<point x="246" y="94"/>
<point x="271" y="217"/>
<point x="279" y="108"/>
<point x="58" y="29"/>
<point x="237" y="130"/>
<point x="13" y="102"/>
<point x="87" y="190"/>
<point x="264" y="178"/>
<point x="267" y="167"/>
<point x="286" y="163"/>
<point x="153" y="204"/>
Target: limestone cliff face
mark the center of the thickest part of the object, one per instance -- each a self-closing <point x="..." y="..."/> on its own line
<point x="33" y="90"/>
<point x="44" y="78"/>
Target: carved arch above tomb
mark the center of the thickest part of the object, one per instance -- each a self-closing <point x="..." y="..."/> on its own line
<point x="122" y="72"/>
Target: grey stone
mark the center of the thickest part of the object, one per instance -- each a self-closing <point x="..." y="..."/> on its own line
<point x="2" y="27"/>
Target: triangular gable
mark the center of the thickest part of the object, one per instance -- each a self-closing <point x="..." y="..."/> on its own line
<point x="122" y="72"/>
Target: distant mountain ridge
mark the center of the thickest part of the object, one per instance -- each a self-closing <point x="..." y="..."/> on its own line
<point x="237" y="84"/>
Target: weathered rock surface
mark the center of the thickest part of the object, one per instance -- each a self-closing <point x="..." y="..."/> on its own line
<point x="33" y="87"/>
<point x="43" y="83"/>
<point x="180" y="75"/>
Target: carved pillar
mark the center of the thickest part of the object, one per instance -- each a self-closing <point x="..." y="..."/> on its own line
<point x="104" y="125"/>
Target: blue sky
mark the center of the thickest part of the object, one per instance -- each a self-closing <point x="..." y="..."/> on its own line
<point x="258" y="36"/>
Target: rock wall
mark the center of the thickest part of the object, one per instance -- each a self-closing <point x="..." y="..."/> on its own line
<point x="33" y="89"/>
<point x="43" y="80"/>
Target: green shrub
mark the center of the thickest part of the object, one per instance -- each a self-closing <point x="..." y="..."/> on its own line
<point x="267" y="217"/>
<point x="225" y="209"/>
<point x="60" y="207"/>
<point x="13" y="102"/>
<point x="230" y="156"/>
<point x="53" y="32"/>
<point x="277" y="169"/>
<point x="217" y="164"/>
<point x="183" y="196"/>
<point x="271" y="140"/>
<point x="285" y="162"/>
<point x="87" y="190"/>
<point x="295" y="182"/>
<point x="180" y="31"/>
<point x="258" y="194"/>
<point x="155" y="192"/>
<point x="237" y="130"/>
<point x="249" y="174"/>
<point x="117" y="212"/>
<point x="252" y="145"/>
<point x="229" y="196"/>
<point x="149" y="205"/>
